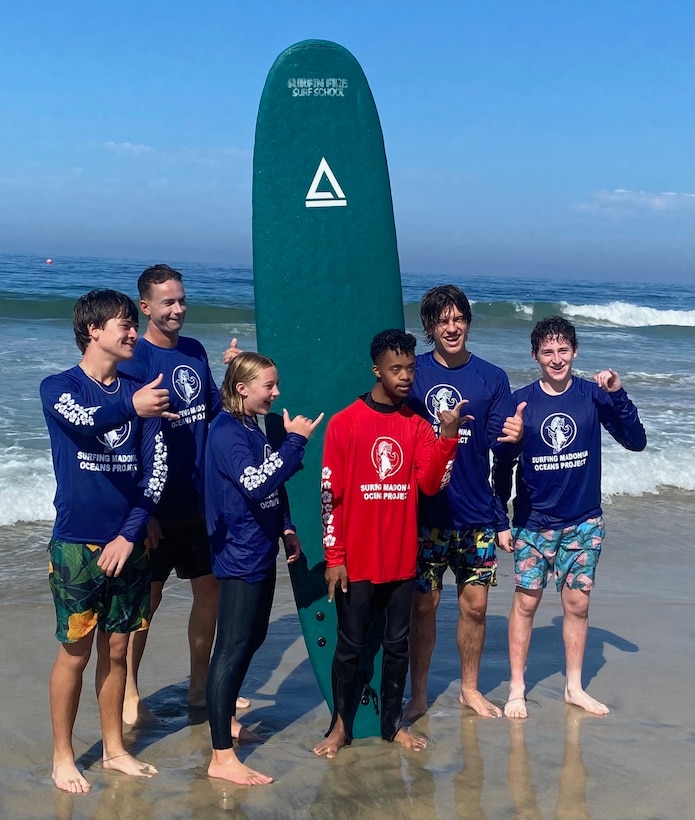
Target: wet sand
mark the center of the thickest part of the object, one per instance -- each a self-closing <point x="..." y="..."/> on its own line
<point x="635" y="763"/>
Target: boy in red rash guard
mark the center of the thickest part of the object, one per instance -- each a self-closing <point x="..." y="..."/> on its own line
<point x="377" y="455"/>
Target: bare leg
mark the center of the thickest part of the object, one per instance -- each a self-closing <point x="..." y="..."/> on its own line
<point x="470" y="638"/>
<point x="423" y="636"/>
<point x="331" y="745"/>
<point x="65" y="687"/>
<point x="201" y="634"/>
<point x="524" y="606"/>
<point x="575" y="625"/>
<point x="227" y="766"/>
<point x="135" y="712"/>
<point x="110" y="687"/>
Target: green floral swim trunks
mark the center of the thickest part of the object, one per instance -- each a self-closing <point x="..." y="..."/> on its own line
<point x="85" y="597"/>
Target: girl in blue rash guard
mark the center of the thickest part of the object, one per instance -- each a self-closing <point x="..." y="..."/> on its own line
<point x="247" y="513"/>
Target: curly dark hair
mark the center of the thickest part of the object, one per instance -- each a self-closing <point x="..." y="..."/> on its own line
<point x="554" y="327"/>
<point x="392" y="339"/>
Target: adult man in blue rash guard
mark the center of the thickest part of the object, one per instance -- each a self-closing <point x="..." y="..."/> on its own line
<point x="459" y="526"/>
<point x="183" y="543"/>
<point x="558" y="524"/>
<point x="110" y="468"/>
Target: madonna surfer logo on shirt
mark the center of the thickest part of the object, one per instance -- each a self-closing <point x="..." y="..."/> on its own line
<point x="558" y="431"/>
<point x="441" y="397"/>
<point x="186" y="383"/>
<point x="387" y="457"/>
<point x="115" y="438"/>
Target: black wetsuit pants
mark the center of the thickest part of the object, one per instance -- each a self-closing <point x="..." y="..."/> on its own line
<point x="356" y="609"/>
<point x="242" y="624"/>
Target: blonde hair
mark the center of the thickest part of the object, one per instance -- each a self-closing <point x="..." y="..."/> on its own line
<point x="244" y="368"/>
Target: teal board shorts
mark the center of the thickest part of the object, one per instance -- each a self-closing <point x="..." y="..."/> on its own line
<point x="470" y="554"/>
<point x="569" y="555"/>
<point x="85" y="597"/>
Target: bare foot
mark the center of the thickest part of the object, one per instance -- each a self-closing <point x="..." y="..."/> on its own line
<point x="68" y="778"/>
<point x="475" y="701"/>
<point x="414" y="709"/>
<point x="240" y="732"/>
<point x="410" y="741"/>
<point x="242" y="702"/>
<point x="225" y="765"/>
<point x="331" y="745"/>
<point x="127" y="764"/>
<point x="137" y="713"/>
<point x="580" y="698"/>
<point x="515" y="707"/>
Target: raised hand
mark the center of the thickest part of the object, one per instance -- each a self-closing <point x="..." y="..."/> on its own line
<point x="451" y="420"/>
<point x="231" y="352"/>
<point x="609" y="380"/>
<point x="513" y="427"/>
<point x="301" y="425"/>
<point x="153" y="400"/>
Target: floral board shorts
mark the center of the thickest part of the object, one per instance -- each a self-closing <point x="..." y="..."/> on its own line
<point x="570" y="555"/>
<point x="470" y="554"/>
<point x="85" y="597"/>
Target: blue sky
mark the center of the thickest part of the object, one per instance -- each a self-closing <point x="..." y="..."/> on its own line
<point x="550" y="138"/>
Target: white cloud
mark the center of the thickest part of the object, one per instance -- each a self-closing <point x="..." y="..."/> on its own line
<point x="621" y="201"/>
<point x="203" y="157"/>
<point x="129" y="148"/>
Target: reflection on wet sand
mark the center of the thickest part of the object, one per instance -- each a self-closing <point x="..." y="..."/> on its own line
<point x="574" y="777"/>
<point x="468" y="783"/>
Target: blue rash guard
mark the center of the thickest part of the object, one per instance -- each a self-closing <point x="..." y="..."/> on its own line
<point x="468" y="502"/>
<point x="246" y="508"/>
<point x="110" y="465"/>
<point x="558" y="480"/>
<point x="194" y="396"/>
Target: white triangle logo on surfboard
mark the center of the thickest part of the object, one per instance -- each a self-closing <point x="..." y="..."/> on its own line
<point x="325" y="199"/>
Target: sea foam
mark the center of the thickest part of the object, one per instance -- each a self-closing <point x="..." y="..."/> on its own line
<point x="629" y="315"/>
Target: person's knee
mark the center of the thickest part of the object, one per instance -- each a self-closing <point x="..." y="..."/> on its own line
<point x="396" y="646"/>
<point x="346" y="658"/>
<point x="575" y="602"/>
<point x="425" y="603"/>
<point x="473" y="603"/>
<point x="156" y="590"/>
<point x="205" y="594"/>
<point x="75" y="656"/>
<point x="526" y="602"/>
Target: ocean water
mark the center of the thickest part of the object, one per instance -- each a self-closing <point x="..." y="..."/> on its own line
<point x="644" y="331"/>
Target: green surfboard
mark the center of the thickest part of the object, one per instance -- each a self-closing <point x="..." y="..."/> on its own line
<point x="326" y="280"/>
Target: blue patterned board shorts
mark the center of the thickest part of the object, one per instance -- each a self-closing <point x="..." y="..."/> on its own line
<point x="85" y="597"/>
<point x="569" y="555"/>
<point x="470" y="554"/>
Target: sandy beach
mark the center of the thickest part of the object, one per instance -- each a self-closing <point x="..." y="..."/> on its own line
<point x="635" y="763"/>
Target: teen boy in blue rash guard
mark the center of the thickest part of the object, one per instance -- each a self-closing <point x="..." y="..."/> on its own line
<point x="184" y="544"/>
<point x="247" y="513"/>
<point x="558" y="523"/>
<point x="110" y="468"/>
<point x="459" y="526"/>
